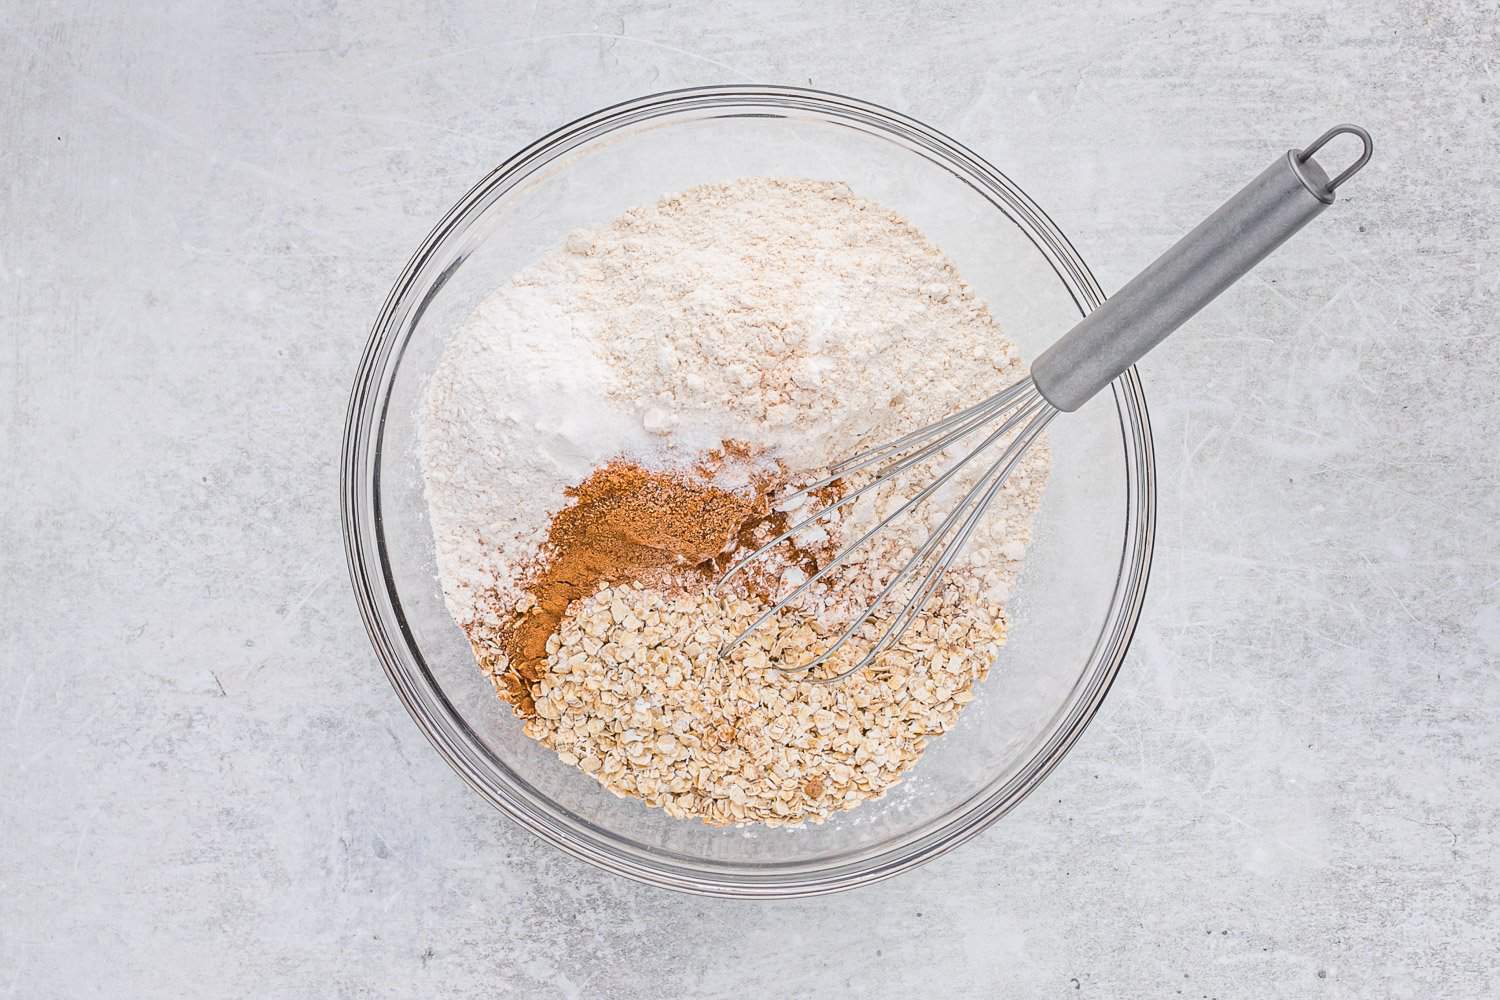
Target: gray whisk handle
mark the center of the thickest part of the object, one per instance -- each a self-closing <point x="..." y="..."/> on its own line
<point x="1216" y="254"/>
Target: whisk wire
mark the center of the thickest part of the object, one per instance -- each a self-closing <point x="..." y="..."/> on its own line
<point x="849" y="498"/>
<point x="971" y="416"/>
<point x="913" y="561"/>
<point x="1021" y="405"/>
<point x="913" y="607"/>
<point x="1029" y="400"/>
<point x="1031" y="407"/>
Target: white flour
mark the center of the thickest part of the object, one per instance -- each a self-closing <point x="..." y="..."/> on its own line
<point x="787" y="307"/>
<point x="516" y="412"/>
<point x="788" y="314"/>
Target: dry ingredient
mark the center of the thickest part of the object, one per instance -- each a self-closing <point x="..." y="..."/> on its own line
<point x="613" y="426"/>
<point x="626" y="523"/>
<point x="637" y="696"/>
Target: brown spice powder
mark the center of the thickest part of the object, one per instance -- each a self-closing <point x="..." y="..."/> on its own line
<point x="626" y="523"/>
<point x="669" y="529"/>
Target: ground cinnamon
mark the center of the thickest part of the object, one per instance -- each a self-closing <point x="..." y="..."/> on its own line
<point x="625" y="523"/>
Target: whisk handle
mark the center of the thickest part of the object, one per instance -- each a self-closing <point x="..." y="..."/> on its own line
<point x="1222" y="249"/>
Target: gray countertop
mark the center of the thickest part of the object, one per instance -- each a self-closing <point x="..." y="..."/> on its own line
<point x="207" y="788"/>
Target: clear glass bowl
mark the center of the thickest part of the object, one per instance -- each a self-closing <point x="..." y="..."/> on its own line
<point x="1074" y="610"/>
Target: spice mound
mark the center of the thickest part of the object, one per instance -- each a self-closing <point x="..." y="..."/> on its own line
<point x="625" y="524"/>
<point x="619" y="423"/>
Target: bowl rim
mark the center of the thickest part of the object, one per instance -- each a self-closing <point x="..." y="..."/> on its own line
<point x="395" y="646"/>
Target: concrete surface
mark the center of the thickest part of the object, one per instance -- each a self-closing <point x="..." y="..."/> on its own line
<point x="210" y="791"/>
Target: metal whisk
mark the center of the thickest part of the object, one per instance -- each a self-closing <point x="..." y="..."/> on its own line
<point x="1218" y="252"/>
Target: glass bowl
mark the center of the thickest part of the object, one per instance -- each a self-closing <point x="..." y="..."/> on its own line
<point x="1074" y="609"/>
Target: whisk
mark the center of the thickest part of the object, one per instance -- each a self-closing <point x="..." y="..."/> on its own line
<point x="1218" y="252"/>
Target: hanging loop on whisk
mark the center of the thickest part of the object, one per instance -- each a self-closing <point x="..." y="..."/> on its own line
<point x="1364" y="157"/>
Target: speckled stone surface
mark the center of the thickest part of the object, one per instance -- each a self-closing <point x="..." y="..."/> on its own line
<point x="207" y="789"/>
